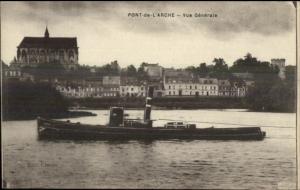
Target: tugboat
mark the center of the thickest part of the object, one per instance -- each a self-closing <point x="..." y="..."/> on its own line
<point x="120" y="128"/>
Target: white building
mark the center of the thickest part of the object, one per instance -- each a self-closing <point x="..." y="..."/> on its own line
<point x="80" y="92"/>
<point x="132" y="90"/>
<point x="175" y="86"/>
<point x="111" y="91"/>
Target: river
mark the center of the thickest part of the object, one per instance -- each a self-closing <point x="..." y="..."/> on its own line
<point x="201" y="164"/>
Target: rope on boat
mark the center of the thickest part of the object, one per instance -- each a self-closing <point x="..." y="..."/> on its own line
<point x="249" y="125"/>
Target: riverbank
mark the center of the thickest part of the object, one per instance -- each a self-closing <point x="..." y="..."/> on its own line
<point x="27" y="100"/>
<point x="171" y="103"/>
<point x="68" y="114"/>
<point x="162" y="103"/>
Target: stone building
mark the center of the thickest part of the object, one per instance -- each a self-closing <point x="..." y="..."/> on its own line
<point x="280" y="63"/>
<point x="36" y="50"/>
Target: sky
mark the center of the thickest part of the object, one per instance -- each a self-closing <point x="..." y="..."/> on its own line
<point x="106" y="33"/>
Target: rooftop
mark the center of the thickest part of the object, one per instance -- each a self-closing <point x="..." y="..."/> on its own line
<point x="41" y="42"/>
<point x="48" y="42"/>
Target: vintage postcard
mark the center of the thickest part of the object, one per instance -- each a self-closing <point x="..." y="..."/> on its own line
<point x="159" y="95"/>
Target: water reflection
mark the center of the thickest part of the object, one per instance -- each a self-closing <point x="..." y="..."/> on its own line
<point x="139" y="164"/>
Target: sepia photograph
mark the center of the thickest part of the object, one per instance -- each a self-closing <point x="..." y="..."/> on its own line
<point x="149" y="95"/>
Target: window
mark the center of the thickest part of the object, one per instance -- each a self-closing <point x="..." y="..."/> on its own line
<point x="71" y="54"/>
<point x="24" y="54"/>
<point x="42" y="58"/>
<point x="61" y="54"/>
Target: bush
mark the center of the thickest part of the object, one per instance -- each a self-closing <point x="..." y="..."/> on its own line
<point x="22" y="100"/>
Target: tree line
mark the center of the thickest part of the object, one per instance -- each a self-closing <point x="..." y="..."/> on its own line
<point x="218" y="69"/>
<point x="269" y="93"/>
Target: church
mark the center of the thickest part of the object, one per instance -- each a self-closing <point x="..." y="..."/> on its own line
<point x="33" y="51"/>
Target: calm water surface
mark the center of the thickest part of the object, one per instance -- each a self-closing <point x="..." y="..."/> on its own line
<point x="267" y="164"/>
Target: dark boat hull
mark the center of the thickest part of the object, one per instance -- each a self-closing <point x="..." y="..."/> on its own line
<point x="51" y="129"/>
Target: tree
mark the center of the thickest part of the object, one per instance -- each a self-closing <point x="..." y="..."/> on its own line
<point x="271" y="95"/>
<point x="291" y="73"/>
<point x="203" y="68"/>
<point x="192" y="69"/>
<point x="46" y="70"/>
<point x="141" y="73"/>
<point x="219" y="69"/>
<point x="131" y="70"/>
<point x="251" y="64"/>
<point x="220" y="65"/>
<point x="109" y="69"/>
<point x="23" y="100"/>
<point x="115" y="65"/>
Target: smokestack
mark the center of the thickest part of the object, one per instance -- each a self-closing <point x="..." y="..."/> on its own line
<point x="150" y="91"/>
<point x="147" y="112"/>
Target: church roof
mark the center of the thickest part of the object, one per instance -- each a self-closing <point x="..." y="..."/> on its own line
<point x="42" y="42"/>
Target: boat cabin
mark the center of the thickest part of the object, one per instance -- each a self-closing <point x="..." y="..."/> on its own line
<point x="179" y="125"/>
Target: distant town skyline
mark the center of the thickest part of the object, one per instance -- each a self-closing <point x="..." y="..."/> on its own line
<point x="108" y="31"/>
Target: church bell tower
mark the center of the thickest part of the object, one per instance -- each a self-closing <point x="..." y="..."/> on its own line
<point x="46" y="33"/>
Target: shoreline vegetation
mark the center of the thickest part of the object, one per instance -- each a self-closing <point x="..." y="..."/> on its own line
<point x="28" y="100"/>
